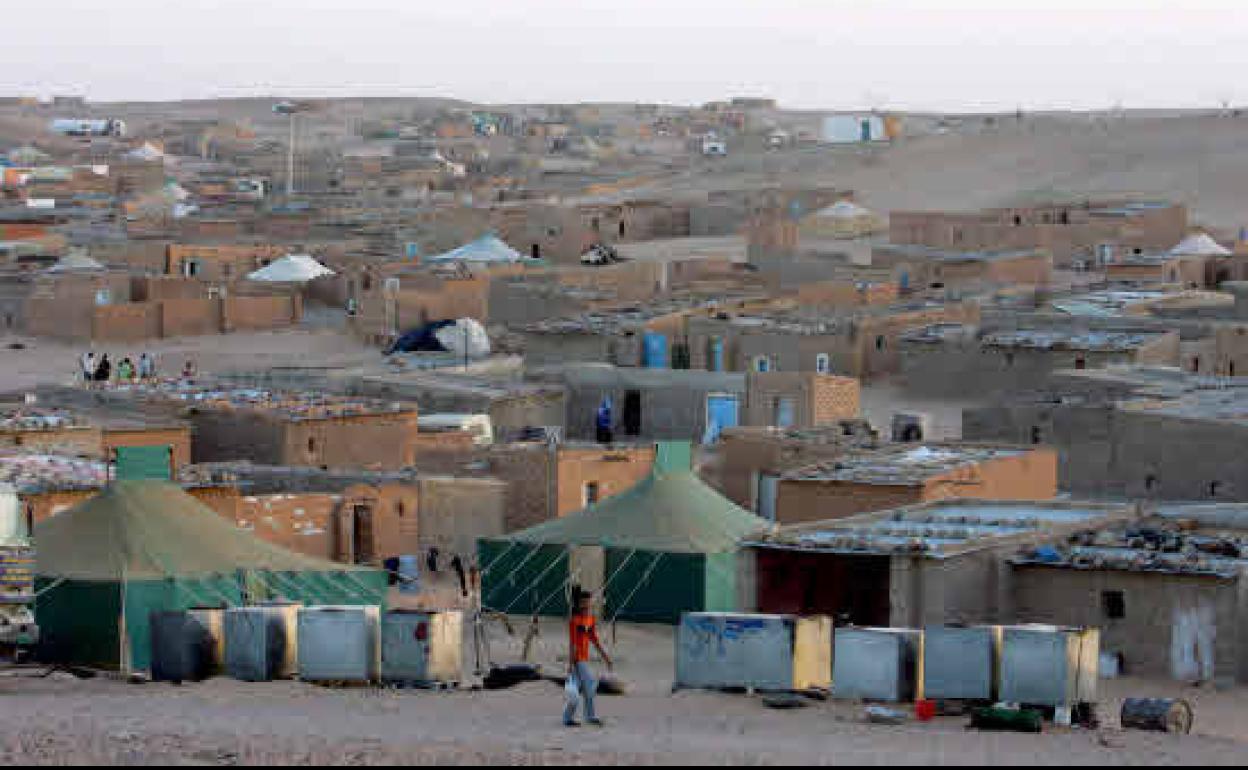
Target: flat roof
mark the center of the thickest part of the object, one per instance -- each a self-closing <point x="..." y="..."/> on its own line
<point x="812" y="323"/>
<point x="1228" y="404"/>
<point x="1069" y="339"/>
<point x="902" y="465"/>
<point x="292" y="405"/>
<point x="1033" y="338"/>
<point x="937" y="254"/>
<point x="942" y="529"/>
<point x="38" y="472"/>
<point x="1159" y="544"/>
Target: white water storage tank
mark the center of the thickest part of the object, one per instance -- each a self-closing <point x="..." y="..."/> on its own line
<point x="12" y="527"/>
<point x="717" y="650"/>
<point x="340" y="644"/>
<point x="876" y="663"/>
<point x="419" y="647"/>
<point x="1049" y="665"/>
<point x="960" y="663"/>
<point x="261" y="642"/>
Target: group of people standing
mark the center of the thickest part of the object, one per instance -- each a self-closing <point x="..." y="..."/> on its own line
<point x="100" y="369"/>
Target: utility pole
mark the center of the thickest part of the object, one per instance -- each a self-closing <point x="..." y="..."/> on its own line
<point x="290" y="110"/>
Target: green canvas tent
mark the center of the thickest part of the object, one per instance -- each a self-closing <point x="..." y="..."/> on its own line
<point x="103" y="566"/>
<point x="668" y="545"/>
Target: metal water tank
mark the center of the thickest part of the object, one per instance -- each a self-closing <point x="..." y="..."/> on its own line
<point x="418" y="646"/>
<point x="1049" y="665"/>
<point x="876" y="663"/>
<point x="960" y="663"/>
<point x="340" y="644"/>
<point x="187" y="645"/>
<point x="717" y="650"/>
<point x="261" y="642"/>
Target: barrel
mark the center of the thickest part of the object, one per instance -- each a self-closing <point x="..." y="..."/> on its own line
<point x="409" y="574"/>
<point x="1006" y="720"/>
<point x="1161" y="715"/>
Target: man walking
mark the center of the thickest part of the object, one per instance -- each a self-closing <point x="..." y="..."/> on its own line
<point x="582" y="631"/>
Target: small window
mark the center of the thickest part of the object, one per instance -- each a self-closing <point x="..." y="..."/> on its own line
<point x="1214" y="488"/>
<point x="1113" y="605"/>
<point x="400" y="508"/>
<point x="311" y="445"/>
<point x="589" y="494"/>
<point x="1151" y="483"/>
<point x="1081" y="362"/>
<point x="762" y="364"/>
<point x="823" y="363"/>
<point x="879" y="342"/>
<point x="1036" y="434"/>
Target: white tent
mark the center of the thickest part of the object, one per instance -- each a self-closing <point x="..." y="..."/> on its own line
<point x="487" y="248"/>
<point x="295" y="268"/>
<point x="75" y="263"/>
<point x="466" y="337"/>
<point x="844" y="210"/>
<point x="1199" y="245"/>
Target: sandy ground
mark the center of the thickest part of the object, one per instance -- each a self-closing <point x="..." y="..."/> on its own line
<point x="47" y="361"/>
<point x="1195" y="159"/>
<point x="58" y="720"/>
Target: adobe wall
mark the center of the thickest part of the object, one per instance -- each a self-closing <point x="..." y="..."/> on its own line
<point x="806" y="500"/>
<point x="613" y="469"/>
<point x="1158" y="607"/>
<point x="456" y="512"/>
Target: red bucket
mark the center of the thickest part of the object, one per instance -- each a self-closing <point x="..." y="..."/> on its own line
<point x="924" y="710"/>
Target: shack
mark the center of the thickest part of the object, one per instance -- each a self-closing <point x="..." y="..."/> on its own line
<point x="932" y="564"/>
<point x="1167" y="592"/>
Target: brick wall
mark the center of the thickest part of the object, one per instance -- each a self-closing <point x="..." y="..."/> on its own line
<point x="131" y="322"/>
<point x="1029" y="476"/>
<point x="80" y="441"/>
<point x="456" y="512"/>
<point x="818" y="399"/>
<point x="613" y="470"/>
<point x="188" y="317"/>
<point x="260" y="313"/>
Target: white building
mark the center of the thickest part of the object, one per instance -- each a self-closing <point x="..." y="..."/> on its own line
<point x="853" y="129"/>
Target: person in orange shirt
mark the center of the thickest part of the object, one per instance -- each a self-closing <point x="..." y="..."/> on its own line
<point x="582" y="632"/>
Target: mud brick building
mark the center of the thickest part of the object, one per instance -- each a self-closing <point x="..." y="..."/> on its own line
<point x="897" y="476"/>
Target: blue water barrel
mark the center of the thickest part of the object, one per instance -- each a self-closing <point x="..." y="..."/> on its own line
<point x="715" y="355"/>
<point x="409" y="574"/>
<point x="654" y="351"/>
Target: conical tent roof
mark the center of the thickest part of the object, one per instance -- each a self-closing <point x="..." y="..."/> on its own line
<point x="670" y="510"/>
<point x="844" y="210"/>
<point x="294" y="268"/>
<point x="1199" y="245"/>
<point x="75" y="263"/>
<point x="137" y="530"/>
<point x="487" y="248"/>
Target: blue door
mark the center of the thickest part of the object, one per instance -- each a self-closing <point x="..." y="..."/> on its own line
<point x="715" y="355"/>
<point x="654" y="351"/>
<point x="721" y="413"/>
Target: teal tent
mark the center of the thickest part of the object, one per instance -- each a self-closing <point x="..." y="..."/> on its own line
<point x="668" y="545"/>
<point x="105" y="565"/>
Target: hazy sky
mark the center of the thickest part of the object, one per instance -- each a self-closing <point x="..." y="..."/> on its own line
<point x="901" y="54"/>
